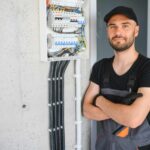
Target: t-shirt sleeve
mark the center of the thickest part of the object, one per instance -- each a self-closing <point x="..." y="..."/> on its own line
<point x="95" y="73"/>
<point x="144" y="80"/>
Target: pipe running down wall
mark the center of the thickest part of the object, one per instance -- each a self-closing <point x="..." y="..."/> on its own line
<point x="78" y="121"/>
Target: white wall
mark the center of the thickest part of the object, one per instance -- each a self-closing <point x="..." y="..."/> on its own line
<point x="23" y="80"/>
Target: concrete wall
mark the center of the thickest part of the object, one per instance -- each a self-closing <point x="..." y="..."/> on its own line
<point x="23" y="82"/>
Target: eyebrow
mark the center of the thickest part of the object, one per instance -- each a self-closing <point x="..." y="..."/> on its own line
<point x="126" y="23"/>
<point x="121" y="23"/>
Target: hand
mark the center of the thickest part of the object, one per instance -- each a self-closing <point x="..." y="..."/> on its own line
<point x="95" y="99"/>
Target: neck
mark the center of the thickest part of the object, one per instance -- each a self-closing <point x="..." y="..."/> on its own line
<point x="125" y="57"/>
<point x="124" y="60"/>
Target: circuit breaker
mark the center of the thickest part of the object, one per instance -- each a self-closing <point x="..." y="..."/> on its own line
<point x="64" y="29"/>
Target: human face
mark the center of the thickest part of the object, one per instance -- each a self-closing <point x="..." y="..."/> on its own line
<point x="121" y="32"/>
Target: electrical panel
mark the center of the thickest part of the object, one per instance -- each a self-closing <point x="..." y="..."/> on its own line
<point x="64" y="29"/>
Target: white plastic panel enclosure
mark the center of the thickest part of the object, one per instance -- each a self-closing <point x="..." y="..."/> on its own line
<point x="64" y="29"/>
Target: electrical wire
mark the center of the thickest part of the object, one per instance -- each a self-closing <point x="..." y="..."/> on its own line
<point x="56" y="103"/>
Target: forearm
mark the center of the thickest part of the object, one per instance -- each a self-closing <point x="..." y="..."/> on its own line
<point x="94" y="113"/>
<point x="118" y="112"/>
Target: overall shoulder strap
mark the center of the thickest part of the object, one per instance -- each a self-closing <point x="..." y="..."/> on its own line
<point x="106" y="76"/>
<point x="106" y="73"/>
<point x="135" y="73"/>
<point x="131" y="81"/>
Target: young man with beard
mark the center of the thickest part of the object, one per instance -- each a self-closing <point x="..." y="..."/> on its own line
<point x="113" y="80"/>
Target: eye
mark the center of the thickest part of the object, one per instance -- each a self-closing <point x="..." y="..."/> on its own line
<point x="112" y="26"/>
<point x="125" y="26"/>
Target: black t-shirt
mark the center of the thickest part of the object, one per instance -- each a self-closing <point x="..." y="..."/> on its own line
<point x="141" y="68"/>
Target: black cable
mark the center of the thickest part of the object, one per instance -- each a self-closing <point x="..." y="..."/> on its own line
<point x="55" y="90"/>
<point x="60" y="105"/>
<point x="50" y="84"/>
<point x="62" y="108"/>
<point x="56" y="105"/>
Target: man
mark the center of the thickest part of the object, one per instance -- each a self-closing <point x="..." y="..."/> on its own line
<point x="112" y="81"/>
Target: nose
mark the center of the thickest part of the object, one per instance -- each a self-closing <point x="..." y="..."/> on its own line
<point x="118" y="31"/>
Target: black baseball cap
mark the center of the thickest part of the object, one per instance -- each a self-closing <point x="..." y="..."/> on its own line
<point x="128" y="12"/>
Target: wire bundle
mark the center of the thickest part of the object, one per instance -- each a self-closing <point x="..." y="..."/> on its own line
<point x="56" y="105"/>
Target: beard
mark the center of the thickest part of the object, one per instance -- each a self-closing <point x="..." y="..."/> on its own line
<point x="117" y="46"/>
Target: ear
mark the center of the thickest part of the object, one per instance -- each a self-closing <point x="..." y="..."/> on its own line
<point x="137" y="28"/>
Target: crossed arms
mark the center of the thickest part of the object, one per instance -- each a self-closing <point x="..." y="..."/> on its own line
<point x="128" y="115"/>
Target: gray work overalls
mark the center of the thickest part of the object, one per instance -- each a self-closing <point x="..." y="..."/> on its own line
<point x="137" y="137"/>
